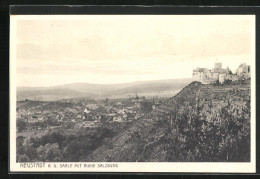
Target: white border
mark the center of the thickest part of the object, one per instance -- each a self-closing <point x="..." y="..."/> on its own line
<point x="216" y="167"/>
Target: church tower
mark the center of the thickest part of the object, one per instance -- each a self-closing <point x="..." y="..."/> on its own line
<point x="136" y="96"/>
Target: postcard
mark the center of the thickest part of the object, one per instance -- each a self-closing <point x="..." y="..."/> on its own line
<point x="132" y="93"/>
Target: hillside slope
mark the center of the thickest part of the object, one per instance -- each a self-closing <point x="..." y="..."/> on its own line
<point x="200" y="123"/>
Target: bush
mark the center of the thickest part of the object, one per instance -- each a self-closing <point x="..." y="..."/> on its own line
<point x="207" y="132"/>
<point x="54" y="146"/>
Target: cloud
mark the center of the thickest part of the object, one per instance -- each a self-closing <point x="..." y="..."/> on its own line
<point x="83" y="67"/>
<point x="133" y="47"/>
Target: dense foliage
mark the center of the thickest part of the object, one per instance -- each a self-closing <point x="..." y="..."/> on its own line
<point x="58" y="145"/>
<point x="209" y="125"/>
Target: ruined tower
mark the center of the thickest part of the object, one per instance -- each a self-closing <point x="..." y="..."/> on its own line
<point x="218" y="65"/>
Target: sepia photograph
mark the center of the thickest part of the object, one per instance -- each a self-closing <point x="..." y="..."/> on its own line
<point x="132" y="93"/>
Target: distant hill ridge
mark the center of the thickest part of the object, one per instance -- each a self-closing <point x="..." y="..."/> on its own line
<point x="100" y="90"/>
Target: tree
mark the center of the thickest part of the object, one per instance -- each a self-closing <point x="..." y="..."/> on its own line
<point x="49" y="152"/>
<point x="21" y="125"/>
<point x="22" y="158"/>
<point x="146" y="106"/>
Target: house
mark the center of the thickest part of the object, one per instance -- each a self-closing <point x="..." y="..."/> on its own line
<point x="124" y="115"/>
<point x="32" y="119"/>
<point x="91" y="106"/>
<point x="30" y="128"/>
<point x="79" y="116"/>
<point x="41" y="119"/>
<point x="117" y="118"/>
<point x="96" y="122"/>
<point x="87" y="111"/>
<point x="54" y="127"/>
<point x="59" y="118"/>
<point x="88" y="124"/>
<point x="119" y="103"/>
<point x="121" y="111"/>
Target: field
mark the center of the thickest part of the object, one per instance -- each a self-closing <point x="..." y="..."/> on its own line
<point x="28" y="133"/>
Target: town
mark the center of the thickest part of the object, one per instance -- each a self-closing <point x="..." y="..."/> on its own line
<point x="81" y="112"/>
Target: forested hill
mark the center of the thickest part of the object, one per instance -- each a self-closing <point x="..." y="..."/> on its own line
<point x="200" y="123"/>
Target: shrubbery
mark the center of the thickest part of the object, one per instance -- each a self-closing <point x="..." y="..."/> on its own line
<point x="202" y="131"/>
<point x="57" y="145"/>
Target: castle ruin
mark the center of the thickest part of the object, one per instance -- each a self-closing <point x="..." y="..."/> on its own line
<point x="220" y="75"/>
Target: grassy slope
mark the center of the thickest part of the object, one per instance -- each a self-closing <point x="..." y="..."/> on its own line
<point x="150" y="139"/>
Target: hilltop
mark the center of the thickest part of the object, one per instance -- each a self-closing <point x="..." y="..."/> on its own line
<point x="200" y="123"/>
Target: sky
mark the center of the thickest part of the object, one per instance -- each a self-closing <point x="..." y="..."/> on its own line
<point x="55" y="50"/>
